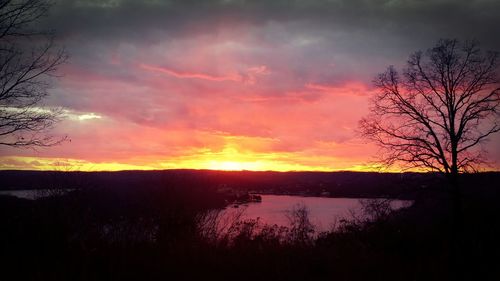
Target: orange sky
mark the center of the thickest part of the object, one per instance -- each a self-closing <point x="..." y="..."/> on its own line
<point x="307" y="130"/>
<point x="229" y="88"/>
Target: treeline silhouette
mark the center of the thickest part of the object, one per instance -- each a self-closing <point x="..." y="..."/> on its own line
<point x="337" y="184"/>
<point x="142" y="226"/>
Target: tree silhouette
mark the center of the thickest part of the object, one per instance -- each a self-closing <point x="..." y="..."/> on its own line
<point x="28" y="59"/>
<point x="434" y="115"/>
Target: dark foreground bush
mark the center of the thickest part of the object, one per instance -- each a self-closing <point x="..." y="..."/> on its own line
<point x="168" y="234"/>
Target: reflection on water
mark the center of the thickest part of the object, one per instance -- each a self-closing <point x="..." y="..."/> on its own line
<point x="323" y="211"/>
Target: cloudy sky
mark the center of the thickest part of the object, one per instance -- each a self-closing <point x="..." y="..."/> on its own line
<point x="234" y="84"/>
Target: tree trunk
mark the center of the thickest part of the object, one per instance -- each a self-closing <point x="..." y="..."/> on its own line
<point x="457" y="224"/>
<point x="456" y="198"/>
<point x="456" y="195"/>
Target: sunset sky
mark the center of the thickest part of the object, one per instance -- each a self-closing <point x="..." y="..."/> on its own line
<point x="254" y="85"/>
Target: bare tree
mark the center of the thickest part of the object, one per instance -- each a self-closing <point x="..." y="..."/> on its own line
<point x="301" y="228"/>
<point x="28" y="61"/>
<point x="434" y="115"/>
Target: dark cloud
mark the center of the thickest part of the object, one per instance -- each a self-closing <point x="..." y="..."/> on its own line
<point x="407" y="20"/>
<point x="348" y="33"/>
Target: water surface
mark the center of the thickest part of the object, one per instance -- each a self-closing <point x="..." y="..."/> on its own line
<point x="33" y="194"/>
<point x="324" y="212"/>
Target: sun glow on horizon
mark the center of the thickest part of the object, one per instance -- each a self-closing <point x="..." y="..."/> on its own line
<point x="232" y="165"/>
<point x="235" y="155"/>
<point x="68" y="165"/>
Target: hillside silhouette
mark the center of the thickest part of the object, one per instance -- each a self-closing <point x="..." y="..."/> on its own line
<point x="150" y="225"/>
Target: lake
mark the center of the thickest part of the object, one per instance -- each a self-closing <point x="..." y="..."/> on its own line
<point x="273" y="209"/>
<point x="33" y="194"/>
<point x="323" y="211"/>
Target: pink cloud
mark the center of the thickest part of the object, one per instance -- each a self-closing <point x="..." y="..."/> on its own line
<point x="248" y="76"/>
<point x="347" y="88"/>
<point x="192" y="75"/>
<point x="236" y="92"/>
